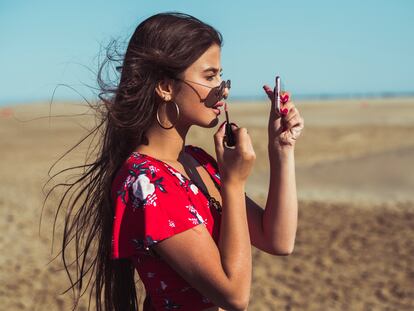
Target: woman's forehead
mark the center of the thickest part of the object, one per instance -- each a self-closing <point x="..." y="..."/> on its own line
<point x="209" y="61"/>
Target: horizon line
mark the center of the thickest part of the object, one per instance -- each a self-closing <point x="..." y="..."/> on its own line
<point x="247" y="98"/>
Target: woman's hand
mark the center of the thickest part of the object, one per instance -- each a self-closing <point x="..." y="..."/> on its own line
<point x="285" y="126"/>
<point x="235" y="164"/>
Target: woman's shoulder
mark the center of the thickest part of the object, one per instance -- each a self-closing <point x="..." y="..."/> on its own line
<point x="144" y="163"/>
<point x="138" y="167"/>
<point x="149" y="167"/>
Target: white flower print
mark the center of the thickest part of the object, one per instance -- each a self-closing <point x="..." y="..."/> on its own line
<point x="200" y="219"/>
<point x="150" y="274"/>
<point x="194" y="188"/>
<point x="153" y="169"/>
<point x="142" y="187"/>
<point x="197" y="219"/>
<point x="178" y="175"/>
<point x="171" y="223"/>
<point x="151" y="199"/>
<point x="191" y="208"/>
<point x="193" y="220"/>
<point x="163" y="285"/>
<point x="130" y="179"/>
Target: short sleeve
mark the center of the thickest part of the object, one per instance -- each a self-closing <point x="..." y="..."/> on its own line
<point x="149" y="207"/>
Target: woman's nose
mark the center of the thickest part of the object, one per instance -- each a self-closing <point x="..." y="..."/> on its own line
<point x="226" y="92"/>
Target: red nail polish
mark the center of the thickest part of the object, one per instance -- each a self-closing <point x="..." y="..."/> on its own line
<point x="284" y="98"/>
<point x="222" y="124"/>
<point x="285" y="111"/>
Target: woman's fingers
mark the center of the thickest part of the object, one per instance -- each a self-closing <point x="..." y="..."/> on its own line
<point x="293" y="118"/>
<point x="284" y="96"/>
<point x="289" y="108"/>
<point x="291" y="111"/>
<point x="269" y="92"/>
<point x="219" y="137"/>
<point x="284" y="99"/>
<point x="292" y="122"/>
<point x="296" y="120"/>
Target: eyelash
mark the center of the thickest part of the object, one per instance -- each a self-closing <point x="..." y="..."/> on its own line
<point x="208" y="78"/>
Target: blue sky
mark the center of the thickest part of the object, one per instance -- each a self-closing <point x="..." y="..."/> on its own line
<point x="315" y="46"/>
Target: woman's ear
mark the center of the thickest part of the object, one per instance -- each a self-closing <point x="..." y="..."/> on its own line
<point x="164" y="89"/>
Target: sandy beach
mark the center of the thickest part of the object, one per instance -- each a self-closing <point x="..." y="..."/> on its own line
<point x="355" y="179"/>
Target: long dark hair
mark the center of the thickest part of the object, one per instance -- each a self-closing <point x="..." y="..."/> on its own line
<point x="163" y="45"/>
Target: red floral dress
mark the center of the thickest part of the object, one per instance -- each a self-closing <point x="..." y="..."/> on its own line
<point x="153" y="201"/>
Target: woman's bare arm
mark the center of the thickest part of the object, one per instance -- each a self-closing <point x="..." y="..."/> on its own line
<point x="221" y="273"/>
<point x="273" y="229"/>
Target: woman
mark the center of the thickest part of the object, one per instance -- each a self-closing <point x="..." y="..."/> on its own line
<point x="170" y="210"/>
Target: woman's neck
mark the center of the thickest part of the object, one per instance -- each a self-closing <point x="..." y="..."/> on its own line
<point x="165" y="145"/>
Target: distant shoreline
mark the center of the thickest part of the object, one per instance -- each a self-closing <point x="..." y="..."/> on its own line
<point x="248" y="99"/>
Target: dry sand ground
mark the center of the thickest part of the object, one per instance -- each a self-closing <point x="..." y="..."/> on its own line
<point x="354" y="167"/>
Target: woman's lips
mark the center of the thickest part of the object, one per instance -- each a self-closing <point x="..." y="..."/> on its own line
<point x="218" y="105"/>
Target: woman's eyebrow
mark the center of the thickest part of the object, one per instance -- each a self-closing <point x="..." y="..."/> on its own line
<point x="213" y="69"/>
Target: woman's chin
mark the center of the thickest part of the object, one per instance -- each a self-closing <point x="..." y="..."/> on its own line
<point x="208" y="123"/>
<point x="214" y="122"/>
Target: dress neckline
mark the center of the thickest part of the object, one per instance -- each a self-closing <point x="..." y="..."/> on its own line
<point x="212" y="201"/>
<point x="186" y="149"/>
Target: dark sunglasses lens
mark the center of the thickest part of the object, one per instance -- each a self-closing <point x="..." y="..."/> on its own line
<point x="221" y="88"/>
<point x="217" y="93"/>
<point x="224" y="85"/>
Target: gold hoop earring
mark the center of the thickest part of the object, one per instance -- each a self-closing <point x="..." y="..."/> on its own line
<point x="178" y="116"/>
